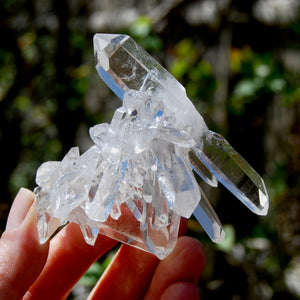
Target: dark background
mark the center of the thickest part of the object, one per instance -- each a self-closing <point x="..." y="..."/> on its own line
<point x="240" y="64"/>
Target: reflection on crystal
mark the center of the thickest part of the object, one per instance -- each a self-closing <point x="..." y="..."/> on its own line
<point x="141" y="175"/>
<point x="202" y="170"/>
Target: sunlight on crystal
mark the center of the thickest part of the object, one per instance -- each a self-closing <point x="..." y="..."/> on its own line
<point x="141" y="175"/>
<point x="135" y="163"/>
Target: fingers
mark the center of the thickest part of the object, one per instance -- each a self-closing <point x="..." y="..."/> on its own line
<point x="182" y="291"/>
<point x="22" y="263"/>
<point x="127" y="277"/>
<point x="184" y="264"/>
<point x="131" y="274"/>
<point x="21" y="255"/>
<point x="69" y="258"/>
<point x="19" y="209"/>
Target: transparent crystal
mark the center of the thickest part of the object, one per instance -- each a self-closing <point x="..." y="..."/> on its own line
<point x="234" y="172"/>
<point x="133" y="185"/>
<point x="124" y="65"/>
<point x="209" y="220"/>
<point x="141" y="175"/>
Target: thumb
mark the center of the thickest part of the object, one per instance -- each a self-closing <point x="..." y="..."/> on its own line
<point x="22" y="258"/>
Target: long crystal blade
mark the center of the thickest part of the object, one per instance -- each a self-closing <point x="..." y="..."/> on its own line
<point x="206" y="216"/>
<point x="124" y="65"/>
<point x="234" y="172"/>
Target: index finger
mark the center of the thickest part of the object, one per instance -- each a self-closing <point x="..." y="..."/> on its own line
<point x="69" y="258"/>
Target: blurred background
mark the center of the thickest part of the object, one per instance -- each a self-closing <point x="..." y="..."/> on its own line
<point x="240" y="64"/>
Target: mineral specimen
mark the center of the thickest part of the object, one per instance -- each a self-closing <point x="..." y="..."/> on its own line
<point x="139" y="178"/>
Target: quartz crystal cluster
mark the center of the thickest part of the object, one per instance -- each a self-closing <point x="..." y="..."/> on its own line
<point x="141" y="175"/>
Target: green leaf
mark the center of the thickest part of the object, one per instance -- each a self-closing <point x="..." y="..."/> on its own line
<point x="22" y="103"/>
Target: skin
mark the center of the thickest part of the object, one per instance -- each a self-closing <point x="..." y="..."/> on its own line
<point x="29" y="270"/>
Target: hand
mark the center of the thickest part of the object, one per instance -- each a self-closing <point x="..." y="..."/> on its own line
<point x="49" y="271"/>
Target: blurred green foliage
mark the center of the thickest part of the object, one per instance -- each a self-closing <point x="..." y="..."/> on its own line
<point x="141" y="31"/>
<point x="260" y="74"/>
<point x="92" y="275"/>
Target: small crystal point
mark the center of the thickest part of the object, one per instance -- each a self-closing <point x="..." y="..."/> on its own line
<point x="206" y="216"/>
<point x="47" y="226"/>
<point x="107" y="39"/>
<point x="89" y="233"/>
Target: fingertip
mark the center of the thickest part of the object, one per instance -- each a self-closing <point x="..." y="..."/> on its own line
<point x="67" y="247"/>
<point x="191" y="250"/>
<point x="20" y="251"/>
<point x="20" y="208"/>
<point x="184" y="264"/>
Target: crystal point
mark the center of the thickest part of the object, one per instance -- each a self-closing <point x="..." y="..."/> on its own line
<point x="206" y="216"/>
<point x="232" y="170"/>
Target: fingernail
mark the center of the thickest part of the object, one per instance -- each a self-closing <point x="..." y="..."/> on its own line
<point x="19" y="209"/>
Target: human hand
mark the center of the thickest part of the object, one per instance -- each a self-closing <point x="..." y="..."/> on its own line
<point x="50" y="271"/>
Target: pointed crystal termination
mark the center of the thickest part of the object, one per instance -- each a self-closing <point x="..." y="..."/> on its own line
<point x="209" y="220"/>
<point x="234" y="172"/>
<point x="124" y="65"/>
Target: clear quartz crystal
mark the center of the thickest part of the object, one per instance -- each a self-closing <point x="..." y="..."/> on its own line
<point x="133" y="185"/>
<point x="139" y="178"/>
<point x="124" y="65"/>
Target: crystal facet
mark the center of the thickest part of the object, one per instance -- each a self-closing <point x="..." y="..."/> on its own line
<point x="141" y="175"/>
